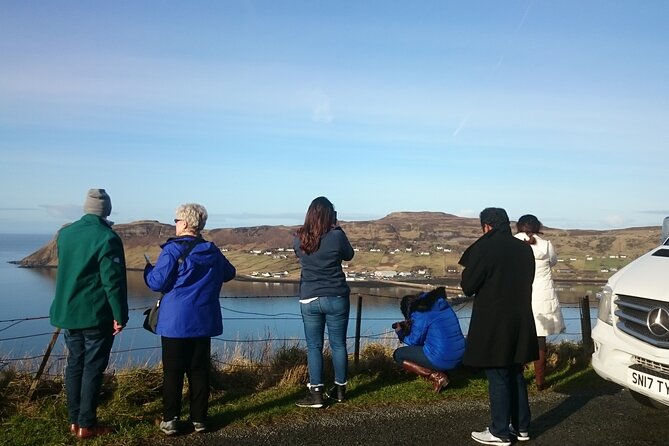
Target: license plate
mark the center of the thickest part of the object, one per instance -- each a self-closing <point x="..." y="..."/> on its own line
<point x="651" y="383"/>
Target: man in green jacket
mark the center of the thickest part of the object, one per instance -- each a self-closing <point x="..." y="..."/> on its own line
<point x="91" y="304"/>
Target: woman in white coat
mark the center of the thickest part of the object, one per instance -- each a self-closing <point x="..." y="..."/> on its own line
<point x="545" y="304"/>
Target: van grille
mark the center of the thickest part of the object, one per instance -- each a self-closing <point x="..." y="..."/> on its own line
<point x="657" y="367"/>
<point x="632" y="313"/>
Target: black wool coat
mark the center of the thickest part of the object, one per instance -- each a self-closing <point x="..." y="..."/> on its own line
<point x="499" y="270"/>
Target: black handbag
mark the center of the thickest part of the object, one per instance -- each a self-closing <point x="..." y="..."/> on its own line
<point x="151" y="315"/>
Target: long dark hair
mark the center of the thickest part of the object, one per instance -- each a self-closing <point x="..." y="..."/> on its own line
<point x="530" y="225"/>
<point x="421" y="301"/>
<point x="406" y="305"/>
<point x="321" y="218"/>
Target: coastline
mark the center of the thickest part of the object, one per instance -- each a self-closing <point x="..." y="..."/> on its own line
<point x="366" y="282"/>
<point x="446" y="282"/>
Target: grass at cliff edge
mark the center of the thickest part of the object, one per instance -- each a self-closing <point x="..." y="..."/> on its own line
<point x="245" y="393"/>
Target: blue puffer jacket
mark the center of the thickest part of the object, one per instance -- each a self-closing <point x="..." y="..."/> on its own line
<point x="190" y="306"/>
<point x="438" y="331"/>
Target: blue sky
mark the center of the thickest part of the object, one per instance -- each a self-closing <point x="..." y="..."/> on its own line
<point x="253" y="108"/>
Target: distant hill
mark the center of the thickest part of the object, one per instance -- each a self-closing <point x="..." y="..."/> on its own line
<point x="427" y="242"/>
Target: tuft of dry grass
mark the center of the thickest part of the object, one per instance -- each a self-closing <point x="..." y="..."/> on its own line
<point x="377" y="357"/>
<point x="566" y="354"/>
<point x="16" y="386"/>
<point x="287" y="367"/>
<point x="259" y="367"/>
<point x="138" y="386"/>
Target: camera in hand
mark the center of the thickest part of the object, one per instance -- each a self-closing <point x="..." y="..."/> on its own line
<point x="404" y="325"/>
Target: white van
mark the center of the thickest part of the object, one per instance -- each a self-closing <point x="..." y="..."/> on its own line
<point x="631" y="337"/>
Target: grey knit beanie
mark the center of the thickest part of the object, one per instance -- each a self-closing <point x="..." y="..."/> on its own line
<point x="97" y="203"/>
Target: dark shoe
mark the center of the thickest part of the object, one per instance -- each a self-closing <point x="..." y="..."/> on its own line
<point x="93" y="431"/>
<point x="337" y="393"/>
<point x="199" y="427"/>
<point x="313" y="399"/>
<point x="439" y="380"/>
<point x="74" y="428"/>
<point x="520" y="435"/>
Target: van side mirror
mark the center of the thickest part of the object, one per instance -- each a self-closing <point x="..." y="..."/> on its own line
<point x="665" y="230"/>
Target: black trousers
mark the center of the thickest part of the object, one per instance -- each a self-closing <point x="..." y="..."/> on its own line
<point x="189" y="356"/>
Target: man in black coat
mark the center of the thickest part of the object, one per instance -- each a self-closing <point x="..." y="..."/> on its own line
<point x="498" y="272"/>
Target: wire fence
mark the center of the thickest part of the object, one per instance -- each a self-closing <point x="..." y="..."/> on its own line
<point x="461" y="305"/>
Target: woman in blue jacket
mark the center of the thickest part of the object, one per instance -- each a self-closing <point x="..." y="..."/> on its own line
<point x="433" y="337"/>
<point x="189" y="272"/>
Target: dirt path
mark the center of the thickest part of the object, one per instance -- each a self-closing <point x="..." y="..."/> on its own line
<point x="594" y="416"/>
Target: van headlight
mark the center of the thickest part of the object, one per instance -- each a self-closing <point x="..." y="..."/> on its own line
<point x="605" y="301"/>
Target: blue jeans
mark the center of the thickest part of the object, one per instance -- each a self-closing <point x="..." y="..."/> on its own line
<point x="332" y="311"/>
<point x="415" y="354"/>
<point x="87" y="359"/>
<point x="507" y="391"/>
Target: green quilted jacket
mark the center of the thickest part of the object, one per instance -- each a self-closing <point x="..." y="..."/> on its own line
<point x="91" y="284"/>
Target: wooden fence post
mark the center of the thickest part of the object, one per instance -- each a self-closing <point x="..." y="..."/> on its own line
<point x="358" y="319"/>
<point x="45" y="359"/>
<point x="586" y="326"/>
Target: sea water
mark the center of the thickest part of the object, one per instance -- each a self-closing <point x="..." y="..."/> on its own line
<point x="255" y="314"/>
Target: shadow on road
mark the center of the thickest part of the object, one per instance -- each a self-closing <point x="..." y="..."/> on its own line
<point x="580" y="391"/>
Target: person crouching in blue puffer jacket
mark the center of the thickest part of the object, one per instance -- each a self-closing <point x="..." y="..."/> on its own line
<point x="433" y="337"/>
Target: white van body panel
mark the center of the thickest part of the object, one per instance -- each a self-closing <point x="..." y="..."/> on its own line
<point x="644" y="277"/>
<point x="634" y="350"/>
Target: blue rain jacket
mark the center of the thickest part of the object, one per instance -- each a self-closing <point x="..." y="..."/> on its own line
<point x="190" y="307"/>
<point x="438" y="331"/>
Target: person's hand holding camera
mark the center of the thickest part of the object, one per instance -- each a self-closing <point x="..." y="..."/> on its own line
<point x="402" y="326"/>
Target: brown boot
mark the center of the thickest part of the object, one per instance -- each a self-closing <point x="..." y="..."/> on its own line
<point x="540" y="370"/>
<point x="93" y="431"/>
<point x="74" y="428"/>
<point x="439" y="379"/>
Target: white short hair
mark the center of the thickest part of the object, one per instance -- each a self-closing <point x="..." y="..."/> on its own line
<point x="195" y="215"/>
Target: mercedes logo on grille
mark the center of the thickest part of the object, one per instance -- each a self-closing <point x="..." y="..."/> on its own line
<point x="657" y="322"/>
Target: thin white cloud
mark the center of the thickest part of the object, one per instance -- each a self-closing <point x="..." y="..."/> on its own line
<point x="18" y="209"/>
<point x="462" y="124"/>
<point x="522" y="19"/>
<point x="63" y="211"/>
<point x="499" y="63"/>
<point x="258" y="216"/>
<point x="360" y="216"/>
<point x="321" y="111"/>
<point x="615" y="221"/>
<point x="468" y="213"/>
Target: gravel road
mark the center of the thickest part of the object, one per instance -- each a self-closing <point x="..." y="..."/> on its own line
<point x="604" y="414"/>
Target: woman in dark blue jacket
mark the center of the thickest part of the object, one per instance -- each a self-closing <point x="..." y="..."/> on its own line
<point x="321" y="245"/>
<point x="433" y="337"/>
<point x="189" y="272"/>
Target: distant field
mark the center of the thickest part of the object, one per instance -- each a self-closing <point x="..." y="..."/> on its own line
<point x="435" y="265"/>
<point x="399" y="238"/>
